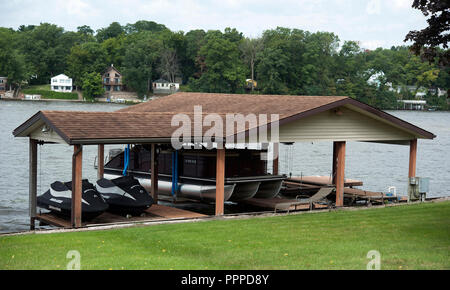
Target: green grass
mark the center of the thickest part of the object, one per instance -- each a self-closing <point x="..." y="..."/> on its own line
<point x="40" y="87"/>
<point x="407" y="237"/>
<point x="47" y="93"/>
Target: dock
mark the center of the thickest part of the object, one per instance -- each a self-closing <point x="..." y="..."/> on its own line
<point x="322" y="181"/>
<point x="156" y="212"/>
<point x="281" y="204"/>
<point x="307" y="184"/>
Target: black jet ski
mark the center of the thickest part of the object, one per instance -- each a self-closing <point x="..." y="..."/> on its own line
<point x="124" y="195"/>
<point x="58" y="199"/>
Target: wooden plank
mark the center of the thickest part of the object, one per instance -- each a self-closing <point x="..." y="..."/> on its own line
<point x="220" y="181"/>
<point x="340" y="173"/>
<point x="172" y="212"/>
<point x="412" y="158"/>
<point x="32" y="181"/>
<point x="322" y="181"/>
<point x="272" y="203"/>
<point x="366" y="194"/>
<point x="53" y="220"/>
<point x="154" y="174"/>
<point x="77" y="165"/>
<point x="101" y="161"/>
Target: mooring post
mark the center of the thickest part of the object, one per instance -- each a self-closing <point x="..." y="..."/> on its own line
<point x="220" y="181"/>
<point x="334" y="167"/>
<point x="101" y="161"/>
<point x="77" y="165"/>
<point x="412" y="158"/>
<point x="33" y="182"/>
<point x="340" y="173"/>
<point x="154" y="174"/>
<point x="276" y="152"/>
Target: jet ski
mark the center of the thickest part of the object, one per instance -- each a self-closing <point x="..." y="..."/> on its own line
<point x="124" y="195"/>
<point x="58" y="199"/>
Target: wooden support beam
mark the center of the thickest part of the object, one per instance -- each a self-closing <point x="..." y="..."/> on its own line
<point x="334" y="167"/>
<point x="101" y="161"/>
<point x="33" y="182"/>
<point x="77" y="165"/>
<point x="220" y="181"/>
<point x="340" y="172"/>
<point x="154" y="174"/>
<point x="412" y="158"/>
<point x="276" y="152"/>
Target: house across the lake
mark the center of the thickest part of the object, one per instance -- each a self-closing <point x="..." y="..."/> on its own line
<point x="112" y="80"/>
<point x="61" y="83"/>
<point x="163" y="87"/>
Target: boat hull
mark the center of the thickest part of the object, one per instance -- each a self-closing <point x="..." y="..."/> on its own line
<point x="192" y="191"/>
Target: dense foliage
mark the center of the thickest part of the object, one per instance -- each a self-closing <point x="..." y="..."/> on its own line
<point x="282" y="61"/>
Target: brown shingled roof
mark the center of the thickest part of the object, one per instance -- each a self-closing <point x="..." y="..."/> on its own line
<point x="283" y="105"/>
<point x="151" y="121"/>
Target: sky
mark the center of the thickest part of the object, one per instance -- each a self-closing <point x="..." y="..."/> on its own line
<point x="374" y="23"/>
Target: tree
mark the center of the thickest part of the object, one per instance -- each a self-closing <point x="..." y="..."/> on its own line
<point x="113" y="30"/>
<point x="85" y="29"/>
<point x="85" y="58"/>
<point x="115" y="50"/>
<point x="44" y="50"/>
<point x="139" y="64"/>
<point x="12" y="62"/>
<point x="224" y="72"/>
<point x="272" y="70"/>
<point x="169" y="67"/>
<point x="144" y="25"/>
<point x="427" y="41"/>
<point x="193" y="66"/>
<point x="92" y="85"/>
<point x="250" y="47"/>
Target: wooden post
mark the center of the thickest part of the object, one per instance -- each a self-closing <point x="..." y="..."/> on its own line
<point x="101" y="161"/>
<point x="276" y="152"/>
<point x="412" y="158"/>
<point x="77" y="164"/>
<point x="220" y="181"/>
<point x="334" y="167"/>
<point x="340" y="173"/>
<point x="154" y="174"/>
<point x="33" y="182"/>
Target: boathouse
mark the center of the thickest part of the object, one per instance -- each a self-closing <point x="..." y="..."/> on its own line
<point x="301" y="119"/>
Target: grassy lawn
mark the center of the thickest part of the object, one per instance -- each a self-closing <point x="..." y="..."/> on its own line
<point x="40" y="87"/>
<point x="47" y="93"/>
<point x="407" y="237"/>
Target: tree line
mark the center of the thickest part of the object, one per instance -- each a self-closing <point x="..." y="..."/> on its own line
<point x="281" y="60"/>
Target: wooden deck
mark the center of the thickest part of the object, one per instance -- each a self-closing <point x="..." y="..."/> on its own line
<point x="280" y="203"/>
<point x="368" y="195"/>
<point x="323" y="181"/>
<point x="156" y="212"/>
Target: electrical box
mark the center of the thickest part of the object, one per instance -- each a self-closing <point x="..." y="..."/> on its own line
<point x="418" y="188"/>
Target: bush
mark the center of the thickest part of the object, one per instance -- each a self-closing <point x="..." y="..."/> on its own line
<point x="51" y="94"/>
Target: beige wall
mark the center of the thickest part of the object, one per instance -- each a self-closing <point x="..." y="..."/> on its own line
<point x="349" y="125"/>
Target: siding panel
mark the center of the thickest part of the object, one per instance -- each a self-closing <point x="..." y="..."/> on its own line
<point x="348" y="126"/>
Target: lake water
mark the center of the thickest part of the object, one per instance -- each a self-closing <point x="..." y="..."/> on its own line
<point x="377" y="165"/>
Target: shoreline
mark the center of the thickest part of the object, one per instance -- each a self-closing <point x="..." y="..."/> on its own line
<point x="68" y="101"/>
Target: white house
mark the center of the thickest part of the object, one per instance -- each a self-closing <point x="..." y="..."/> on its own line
<point x="61" y="83"/>
<point x="162" y="86"/>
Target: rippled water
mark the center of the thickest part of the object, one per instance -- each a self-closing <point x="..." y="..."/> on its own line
<point x="378" y="165"/>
